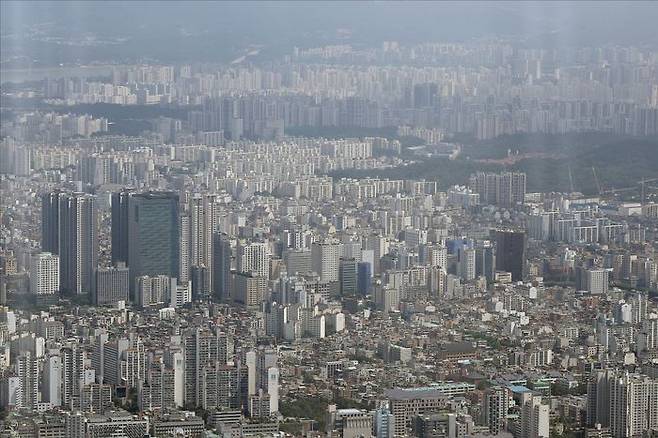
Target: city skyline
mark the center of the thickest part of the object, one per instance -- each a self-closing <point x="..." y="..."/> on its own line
<point x="329" y="219"/>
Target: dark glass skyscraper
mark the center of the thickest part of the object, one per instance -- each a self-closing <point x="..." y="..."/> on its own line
<point x="510" y="252"/>
<point x="153" y="234"/>
<point x="485" y="262"/>
<point x="50" y="222"/>
<point x="364" y="278"/>
<point x="69" y="225"/>
<point x="120" y="226"/>
<point x="222" y="255"/>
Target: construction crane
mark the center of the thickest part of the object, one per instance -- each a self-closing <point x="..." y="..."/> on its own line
<point x="642" y="182"/>
<point x="570" y="178"/>
<point x="596" y="180"/>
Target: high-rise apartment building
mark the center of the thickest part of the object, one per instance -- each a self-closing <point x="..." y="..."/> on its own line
<point x="27" y="372"/>
<point x="254" y="258"/>
<point x="112" y="285"/>
<point x="596" y="281"/>
<point x="263" y="375"/>
<point x="201" y="217"/>
<point x="44" y="274"/>
<point x="505" y="189"/>
<point x="496" y="405"/>
<point x="201" y="348"/>
<point x="51" y="383"/>
<point x="153" y="290"/>
<point x="633" y="405"/>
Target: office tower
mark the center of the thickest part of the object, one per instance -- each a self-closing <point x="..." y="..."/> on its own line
<point x="364" y="278"/>
<point x="347" y="276"/>
<point x="112" y="285"/>
<point x="119" y="206"/>
<point x="298" y="261"/>
<point x="254" y="258"/>
<point x="201" y="214"/>
<point x="199" y="278"/>
<point x="70" y="230"/>
<point x="466" y="263"/>
<point x="496" y="405"/>
<point x="258" y="405"/>
<point x="379" y="246"/>
<point x="222" y="259"/>
<point x="510" y="253"/>
<point x="535" y="418"/>
<point x="153" y="235"/>
<point x="296" y="238"/>
<point x="326" y="258"/>
<point x="44" y="274"/>
<point x="50" y="222"/>
<point x="406" y="404"/>
<point x="485" y="261"/>
<point x="109" y="354"/>
<point x="350" y="423"/>
<point x="425" y="95"/>
<point x="98" y="355"/>
<point x="633" y="405"/>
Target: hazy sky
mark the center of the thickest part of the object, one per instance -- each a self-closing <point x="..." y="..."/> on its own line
<point x="205" y="30"/>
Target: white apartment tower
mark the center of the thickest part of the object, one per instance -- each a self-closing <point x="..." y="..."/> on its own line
<point x="44" y="274"/>
<point x="254" y="258"/>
